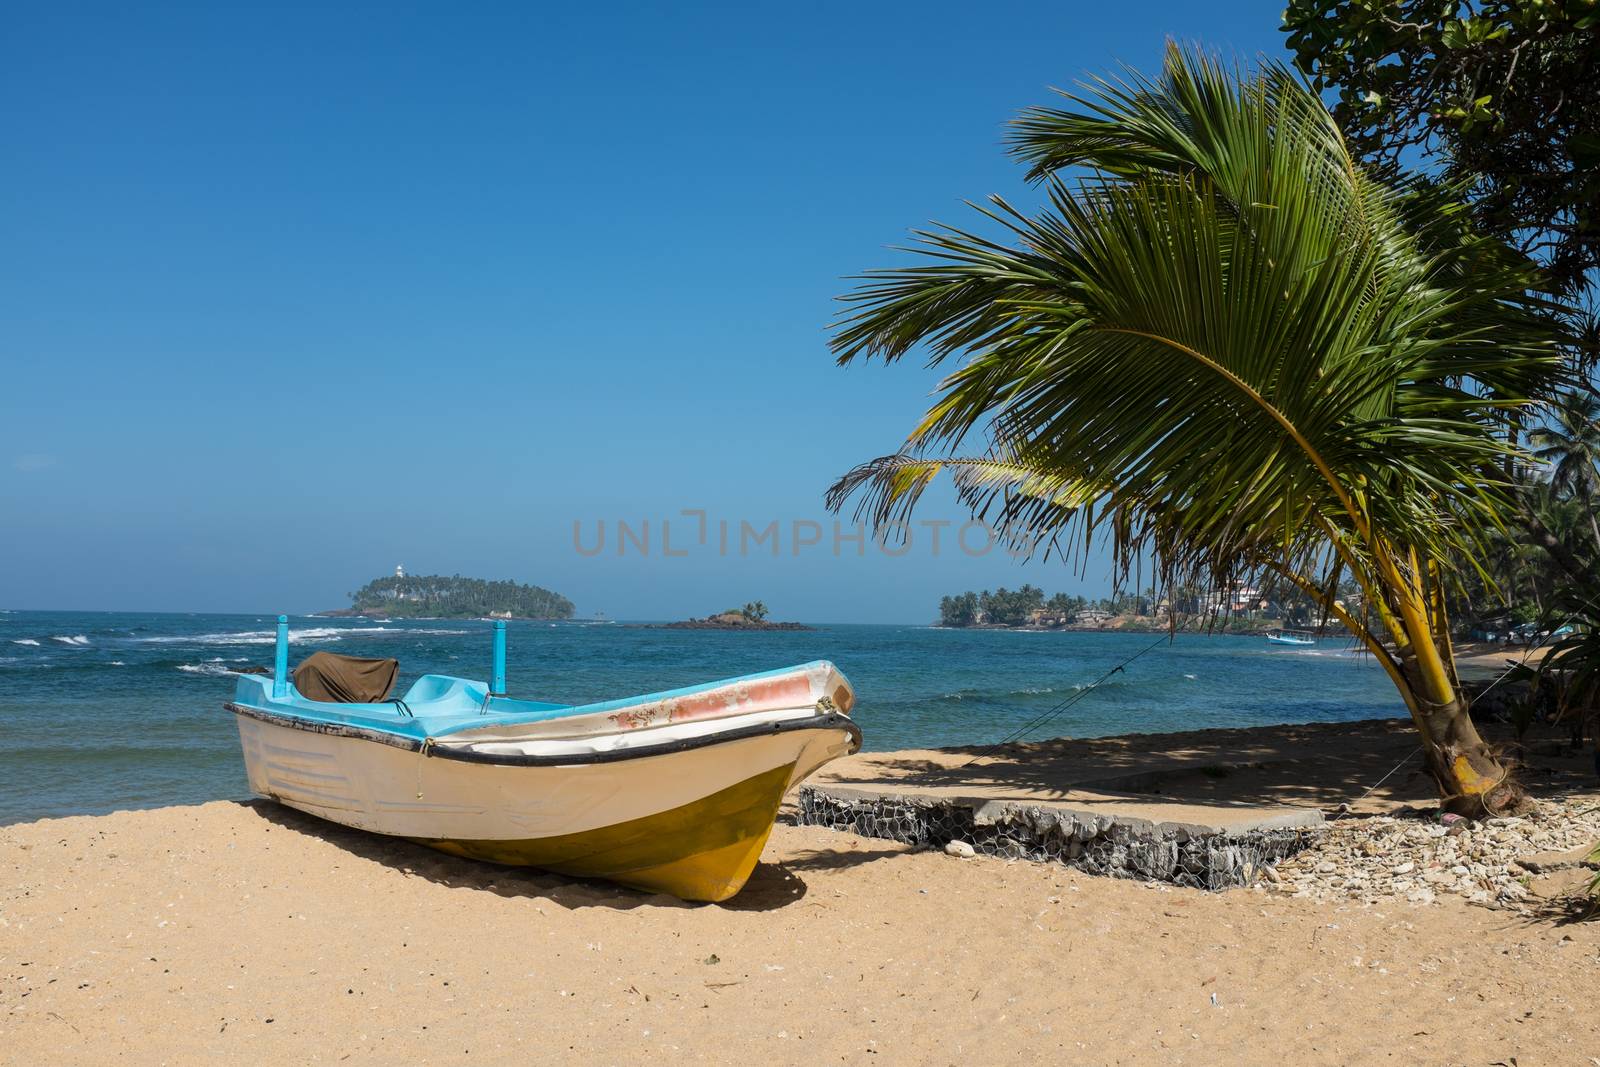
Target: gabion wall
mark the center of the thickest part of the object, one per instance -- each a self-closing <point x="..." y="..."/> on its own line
<point x="1095" y="844"/>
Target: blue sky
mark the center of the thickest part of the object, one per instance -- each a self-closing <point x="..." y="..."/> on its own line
<point x="293" y="294"/>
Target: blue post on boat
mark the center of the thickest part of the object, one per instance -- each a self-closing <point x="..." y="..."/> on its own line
<point x="498" y="687"/>
<point x="280" y="661"/>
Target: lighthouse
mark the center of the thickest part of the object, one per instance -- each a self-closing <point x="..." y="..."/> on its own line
<point x="399" y="571"/>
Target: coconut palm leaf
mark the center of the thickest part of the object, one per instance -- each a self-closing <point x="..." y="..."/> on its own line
<point x="1225" y="345"/>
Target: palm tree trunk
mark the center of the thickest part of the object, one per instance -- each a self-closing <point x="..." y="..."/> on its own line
<point x="1471" y="778"/>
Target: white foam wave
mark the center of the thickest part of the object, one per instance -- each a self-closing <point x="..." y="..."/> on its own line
<point x="26" y="641"/>
<point x="310" y="633"/>
<point x="78" y="641"/>
<point x="118" y="663"/>
<point x="210" y="669"/>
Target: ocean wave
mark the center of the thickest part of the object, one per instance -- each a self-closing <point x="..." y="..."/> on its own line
<point x="987" y="694"/>
<point x="210" y="669"/>
<point x="77" y="641"/>
<point x="26" y="641"/>
<point x="311" y="633"/>
<point x="118" y="663"/>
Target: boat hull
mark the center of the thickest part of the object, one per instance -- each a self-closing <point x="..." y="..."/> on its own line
<point x="702" y="850"/>
<point x="689" y="820"/>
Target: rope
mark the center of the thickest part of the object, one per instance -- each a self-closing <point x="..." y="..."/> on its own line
<point x="1053" y="713"/>
<point x="423" y="753"/>
<point x="1409" y="756"/>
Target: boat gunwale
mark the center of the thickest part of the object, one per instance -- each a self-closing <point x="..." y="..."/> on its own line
<point x="429" y="746"/>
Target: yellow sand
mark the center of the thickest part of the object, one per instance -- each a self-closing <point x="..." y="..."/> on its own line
<point x="248" y="933"/>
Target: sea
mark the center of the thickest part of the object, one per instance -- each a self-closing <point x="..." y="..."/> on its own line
<point x="101" y="711"/>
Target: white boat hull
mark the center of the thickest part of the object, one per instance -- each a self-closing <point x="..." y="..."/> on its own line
<point x="683" y="809"/>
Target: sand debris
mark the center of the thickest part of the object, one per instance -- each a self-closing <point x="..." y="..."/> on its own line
<point x="1421" y="858"/>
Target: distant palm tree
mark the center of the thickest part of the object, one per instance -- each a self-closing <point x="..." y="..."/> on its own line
<point x="1231" y="349"/>
<point x="1570" y="444"/>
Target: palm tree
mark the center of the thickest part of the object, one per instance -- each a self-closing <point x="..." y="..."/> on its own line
<point x="1570" y="444"/>
<point x="1230" y="349"/>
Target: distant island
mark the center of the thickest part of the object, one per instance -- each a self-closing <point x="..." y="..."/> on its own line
<point x="432" y="596"/>
<point x="752" y="616"/>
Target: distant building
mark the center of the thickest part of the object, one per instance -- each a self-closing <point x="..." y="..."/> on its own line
<point x="399" y="571"/>
<point x="1238" y="597"/>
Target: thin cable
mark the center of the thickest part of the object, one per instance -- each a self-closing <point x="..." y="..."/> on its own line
<point x="1408" y="758"/>
<point x="1052" y="713"/>
<point x="1534" y="648"/>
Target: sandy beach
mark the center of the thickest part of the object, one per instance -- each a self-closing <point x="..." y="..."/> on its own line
<point x="245" y="930"/>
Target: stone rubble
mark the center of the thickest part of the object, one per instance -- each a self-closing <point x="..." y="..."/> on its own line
<point x="1417" y="857"/>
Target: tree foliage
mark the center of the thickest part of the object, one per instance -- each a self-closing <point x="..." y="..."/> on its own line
<point x="1230" y="348"/>
<point x="959" y="610"/>
<point x="1504" y="94"/>
<point x="1004" y="607"/>
<point x="438" y="597"/>
<point x="755" y="611"/>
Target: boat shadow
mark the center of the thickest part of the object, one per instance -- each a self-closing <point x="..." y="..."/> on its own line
<point x="771" y="886"/>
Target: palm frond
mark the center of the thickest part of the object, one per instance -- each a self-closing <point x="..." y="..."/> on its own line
<point x="1222" y="344"/>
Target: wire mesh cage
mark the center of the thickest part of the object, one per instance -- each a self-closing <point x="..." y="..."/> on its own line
<point x="1095" y="844"/>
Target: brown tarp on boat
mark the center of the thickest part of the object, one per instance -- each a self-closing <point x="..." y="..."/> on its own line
<point x="345" y="679"/>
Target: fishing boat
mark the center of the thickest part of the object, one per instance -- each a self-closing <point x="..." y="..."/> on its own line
<point x="1298" y="638"/>
<point x="672" y="792"/>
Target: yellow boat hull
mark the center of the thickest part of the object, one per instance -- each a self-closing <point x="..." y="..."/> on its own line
<point x="704" y="850"/>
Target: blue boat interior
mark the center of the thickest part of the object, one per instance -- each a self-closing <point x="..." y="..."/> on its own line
<point x="436" y="705"/>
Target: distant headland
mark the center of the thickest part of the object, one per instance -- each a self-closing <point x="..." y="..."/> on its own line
<point x="1241" y="608"/>
<point x="432" y="596"/>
